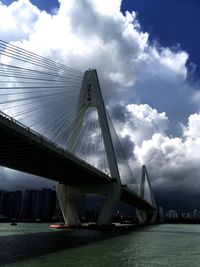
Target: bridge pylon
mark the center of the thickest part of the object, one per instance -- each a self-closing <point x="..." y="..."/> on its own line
<point x="90" y="95"/>
<point x="147" y="216"/>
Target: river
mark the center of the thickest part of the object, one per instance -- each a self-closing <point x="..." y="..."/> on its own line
<point x="35" y="245"/>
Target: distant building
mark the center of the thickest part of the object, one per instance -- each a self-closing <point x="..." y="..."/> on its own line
<point x="195" y="214"/>
<point x="31" y="206"/>
<point x="11" y="205"/>
<point x="38" y="204"/>
<point x="48" y="203"/>
<point x="161" y="214"/>
<point x="173" y="214"/>
<point x="2" y="197"/>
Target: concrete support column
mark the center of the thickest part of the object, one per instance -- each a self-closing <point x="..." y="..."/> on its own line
<point x="142" y="216"/>
<point x="65" y="195"/>
<point x="146" y="216"/>
<point x="154" y="216"/>
<point x="112" y="198"/>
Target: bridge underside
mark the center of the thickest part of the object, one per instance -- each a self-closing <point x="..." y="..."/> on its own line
<point x="24" y="150"/>
<point x="131" y="198"/>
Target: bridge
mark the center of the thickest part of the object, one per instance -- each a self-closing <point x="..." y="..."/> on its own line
<point x="54" y="124"/>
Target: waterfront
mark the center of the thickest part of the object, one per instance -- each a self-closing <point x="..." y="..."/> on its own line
<point x="157" y="245"/>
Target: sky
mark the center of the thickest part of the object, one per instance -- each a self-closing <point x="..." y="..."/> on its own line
<point x="146" y="54"/>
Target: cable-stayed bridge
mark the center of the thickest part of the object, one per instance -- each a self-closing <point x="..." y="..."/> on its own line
<point x="54" y="124"/>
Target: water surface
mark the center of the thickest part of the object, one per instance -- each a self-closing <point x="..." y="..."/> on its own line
<point x="38" y="245"/>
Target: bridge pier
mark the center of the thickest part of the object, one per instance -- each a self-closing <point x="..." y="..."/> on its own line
<point x="90" y="96"/>
<point x="68" y="209"/>
<point x="113" y="195"/>
<point x="65" y="193"/>
<point x="147" y="216"/>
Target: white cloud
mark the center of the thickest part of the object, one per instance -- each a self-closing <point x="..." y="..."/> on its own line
<point x="192" y="130"/>
<point x="143" y="122"/>
<point x="85" y="34"/>
<point x="174" y="162"/>
<point x="171" y="61"/>
<point x="103" y="7"/>
<point x="151" y="80"/>
<point x="17" y="20"/>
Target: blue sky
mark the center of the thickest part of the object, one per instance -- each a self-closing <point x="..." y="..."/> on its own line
<point x="169" y="22"/>
<point x="48" y="5"/>
<point x="147" y="59"/>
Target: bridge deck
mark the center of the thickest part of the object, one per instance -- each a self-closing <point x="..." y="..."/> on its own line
<point x="131" y="198"/>
<point x="24" y="150"/>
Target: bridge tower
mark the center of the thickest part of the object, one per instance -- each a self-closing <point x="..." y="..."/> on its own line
<point x="147" y="216"/>
<point x="90" y="94"/>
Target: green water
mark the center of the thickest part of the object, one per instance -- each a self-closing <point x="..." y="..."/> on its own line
<point x="35" y="245"/>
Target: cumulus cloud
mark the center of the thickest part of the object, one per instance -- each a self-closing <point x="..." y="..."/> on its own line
<point x="17" y="20"/>
<point x="162" y="83"/>
<point x="174" y="162"/>
<point x="192" y="130"/>
<point x="153" y="103"/>
<point x="113" y="43"/>
<point x="143" y="121"/>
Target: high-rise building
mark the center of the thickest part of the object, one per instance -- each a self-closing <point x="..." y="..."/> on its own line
<point x="173" y="214"/>
<point x="31" y="206"/>
<point x="38" y="204"/>
<point x="161" y="214"/>
<point x="48" y="202"/>
<point x="12" y="204"/>
<point x="2" y="196"/>
<point x="195" y="214"/>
